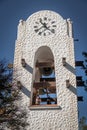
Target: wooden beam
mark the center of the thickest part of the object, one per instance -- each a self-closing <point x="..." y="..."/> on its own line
<point x="76" y="40"/>
<point x="79" y="78"/>
<point x="67" y="83"/>
<point x="45" y="99"/>
<point x="85" y="127"/>
<point x="47" y="79"/>
<point x="79" y="63"/>
<point x="44" y="85"/>
<point x="44" y="64"/>
<point x="52" y="90"/>
<point x="80" y="83"/>
<point x="80" y="98"/>
<point x="64" y="61"/>
<point x="23" y="62"/>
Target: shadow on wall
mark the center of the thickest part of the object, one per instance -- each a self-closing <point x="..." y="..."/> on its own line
<point x="70" y="68"/>
<point x="73" y="89"/>
<point x="29" y="68"/>
<point x="26" y="91"/>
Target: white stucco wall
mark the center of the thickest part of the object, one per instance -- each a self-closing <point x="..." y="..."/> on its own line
<point x="61" y="44"/>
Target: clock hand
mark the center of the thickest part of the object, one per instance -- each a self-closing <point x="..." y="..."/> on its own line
<point x="44" y="24"/>
<point x="45" y="28"/>
<point x="36" y="30"/>
<point x="42" y="31"/>
<point x="41" y="21"/>
<point x="52" y="30"/>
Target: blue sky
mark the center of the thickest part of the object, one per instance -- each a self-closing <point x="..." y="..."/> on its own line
<point x="11" y="11"/>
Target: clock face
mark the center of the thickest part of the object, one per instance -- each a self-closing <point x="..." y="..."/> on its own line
<point x="45" y="26"/>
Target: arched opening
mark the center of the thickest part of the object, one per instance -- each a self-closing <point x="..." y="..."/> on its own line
<point x="44" y="81"/>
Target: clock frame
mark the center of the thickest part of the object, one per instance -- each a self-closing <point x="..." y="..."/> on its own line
<point x="45" y="26"/>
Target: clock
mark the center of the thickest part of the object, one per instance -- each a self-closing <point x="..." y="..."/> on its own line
<point x="45" y="26"/>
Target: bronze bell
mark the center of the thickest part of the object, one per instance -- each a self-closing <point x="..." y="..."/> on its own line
<point x="46" y="71"/>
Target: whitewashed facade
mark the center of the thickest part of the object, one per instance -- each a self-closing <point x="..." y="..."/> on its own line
<point x="64" y="115"/>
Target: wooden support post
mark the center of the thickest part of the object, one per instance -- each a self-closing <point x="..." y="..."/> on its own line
<point x="64" y="61"/>
<point x="79" y="63"/>
<point x="19" y="85"/>
<point x="23" y="62"/>
<point x="67" y="83"/>
<point x="80" y="98"/>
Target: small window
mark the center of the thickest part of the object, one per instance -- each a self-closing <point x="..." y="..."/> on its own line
<point x="44" y="85"/>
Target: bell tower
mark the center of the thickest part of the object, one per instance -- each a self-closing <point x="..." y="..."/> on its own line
<point x="45" y="67"/>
